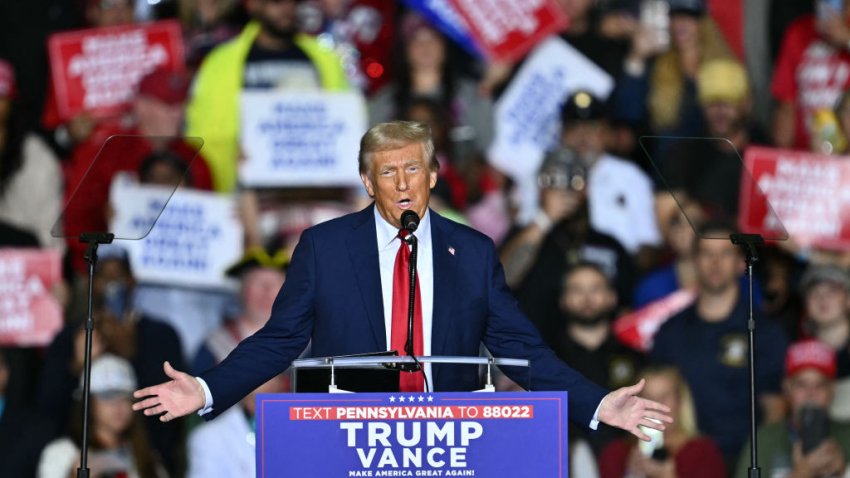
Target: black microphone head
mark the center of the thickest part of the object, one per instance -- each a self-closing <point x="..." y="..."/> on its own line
<point x="409" y="221"/>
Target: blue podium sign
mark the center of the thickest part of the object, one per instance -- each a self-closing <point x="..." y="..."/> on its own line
<point x="412" y="434"/>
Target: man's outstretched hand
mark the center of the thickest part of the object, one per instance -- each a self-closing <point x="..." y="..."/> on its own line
<point x="622" y="408"/>
<point x="179" y="396"/>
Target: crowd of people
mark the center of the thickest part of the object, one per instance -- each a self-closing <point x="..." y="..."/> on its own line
<point x="624" y="221"/>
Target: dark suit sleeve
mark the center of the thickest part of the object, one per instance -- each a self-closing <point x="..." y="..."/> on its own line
<point x="273" y="348"/>
<point x="509" y="334"/>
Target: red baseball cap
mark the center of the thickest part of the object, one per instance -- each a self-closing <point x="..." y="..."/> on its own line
<point x="165" y="85"/>
<point x="7" y="79"/>
<point x="810" y="354"/>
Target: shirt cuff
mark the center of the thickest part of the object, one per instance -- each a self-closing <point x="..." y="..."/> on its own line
<point x="208" y="400"/>
<point x="594" y="422"/>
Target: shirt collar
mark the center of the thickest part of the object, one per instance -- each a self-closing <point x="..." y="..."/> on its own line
<point x="387" y="233"/>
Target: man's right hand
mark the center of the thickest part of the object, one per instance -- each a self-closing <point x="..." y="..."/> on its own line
<point x="180" y="396"/>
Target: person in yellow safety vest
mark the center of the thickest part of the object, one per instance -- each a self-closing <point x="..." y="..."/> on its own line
<point x="268" y="49"/>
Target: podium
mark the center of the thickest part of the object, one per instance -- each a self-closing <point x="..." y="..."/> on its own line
<point x="504" y="434"/>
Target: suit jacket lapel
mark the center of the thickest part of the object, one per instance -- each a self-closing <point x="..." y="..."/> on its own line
<point x="363" y="251"/>
<point x="445" y="275"/>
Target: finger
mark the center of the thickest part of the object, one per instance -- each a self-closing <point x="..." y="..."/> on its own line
<point x="146" y="392"/>
<point x="655" y="406"/>
<point x="145" y="404"/>
<point x="156" y="410"/>
<point x="636" y="388"/>
<point x="169" y="370"/>
<point x="641" y="435"/>
<point x="658" y="416"/>
<point x="652" y="424"/>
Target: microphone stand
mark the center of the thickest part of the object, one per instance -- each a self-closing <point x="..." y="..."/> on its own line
<point x="749" y="243"/>
<point x="411" y="307"/>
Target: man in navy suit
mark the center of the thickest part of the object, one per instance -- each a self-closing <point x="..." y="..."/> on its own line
<point x="339" y="293"/>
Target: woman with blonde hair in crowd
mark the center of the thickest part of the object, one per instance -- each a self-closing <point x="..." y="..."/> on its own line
<point x="661" y="91"/>
<point x="678" y="452"/>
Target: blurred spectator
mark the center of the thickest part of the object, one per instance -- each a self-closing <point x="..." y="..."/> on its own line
<point x="19" y="452"/>
<point x="710" y="170"/>
<point x="120" y="330"/>
<point x="562" y="181"/>
<point x="269" y="53"/>
<point x="683" y="452"/>
<point x="451" y="189"/>
<point x="206" y="24"/>
<point x="360" y="31"/>
<point x="678" y="232"/>
<point x="118" y="443"/>
<point x="427" y="67"/>
<point x="619" y="193"/>
<point x="661" y="90"/>
<point x="156" y="121"/>
<point x="826" y="297"/>
<point x="805" y="443"/>
<point x="601" y="33"/>
<point x="571" y="240"/>
<point x="810" y="75"/>
<point x="261" y="276"/>
<point x="226" y="446"/>
<point x="708" y="343"/>
<point x="586" y="342"/>
<point x="30" y="177"/>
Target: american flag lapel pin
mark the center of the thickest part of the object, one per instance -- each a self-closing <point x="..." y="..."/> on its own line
<point x="451" y="250"/>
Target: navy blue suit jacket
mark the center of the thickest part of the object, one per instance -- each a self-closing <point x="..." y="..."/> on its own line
<point x="333" y="295"/>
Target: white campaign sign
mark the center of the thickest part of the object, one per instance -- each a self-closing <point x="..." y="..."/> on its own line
<point x="301" y="138"/>
<point x="528" y="113"/>
<point x="196" y="238"/>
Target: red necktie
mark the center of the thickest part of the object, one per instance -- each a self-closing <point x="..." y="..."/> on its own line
<point x="408" y="381"/>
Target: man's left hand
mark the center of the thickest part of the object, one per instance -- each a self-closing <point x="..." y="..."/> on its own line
<point x="622" y="408"/>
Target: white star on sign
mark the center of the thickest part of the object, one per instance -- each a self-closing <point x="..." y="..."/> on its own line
<point x="410" y="399"/>
<point x="430" y="398"/>
<point x="401" y="399"/>
<point x="392" y="398"/>
<point x="421" y="399"/>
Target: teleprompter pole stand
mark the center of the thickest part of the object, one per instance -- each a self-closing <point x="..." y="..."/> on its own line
<point x="749" y="243"/>
<point x="92" y="239"/>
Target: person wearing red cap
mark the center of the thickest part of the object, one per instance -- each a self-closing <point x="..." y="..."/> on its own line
<point x="806" y="443"/>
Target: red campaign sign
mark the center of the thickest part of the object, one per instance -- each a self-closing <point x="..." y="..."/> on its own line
<point x="507" y="29"/>
<point x="808" y="194"/>
<point x="97" y="70"/>
<point x="29" y="313"/>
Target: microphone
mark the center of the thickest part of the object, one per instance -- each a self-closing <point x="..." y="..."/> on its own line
<point x="409" y="221"/>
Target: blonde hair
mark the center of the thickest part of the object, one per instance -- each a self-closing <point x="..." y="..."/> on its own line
<point x="395" y="135"/>
<point x="686" y="419"/>
<point x="667" y="81"/>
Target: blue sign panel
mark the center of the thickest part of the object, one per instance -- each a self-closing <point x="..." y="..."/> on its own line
<point x="412" y="434"/>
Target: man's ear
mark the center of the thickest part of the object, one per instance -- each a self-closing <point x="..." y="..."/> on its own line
<point x="433" y="178"/>
<point x="367" y="183"/>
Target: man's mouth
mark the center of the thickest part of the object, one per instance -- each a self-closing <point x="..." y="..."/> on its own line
<point x="404" y="203"/>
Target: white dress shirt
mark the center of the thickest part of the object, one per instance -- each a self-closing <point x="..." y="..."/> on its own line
<point x="388" y="242"/>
